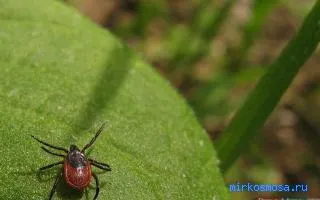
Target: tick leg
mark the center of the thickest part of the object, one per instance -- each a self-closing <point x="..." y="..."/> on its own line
<point x="55" y="185"/>
<point x="49" y="145"/>
<point x="50" y="152"/>
<point x="100" y="165"/>
<point x="51" y="165"/>
<point x="97" y="186"/>
<point x="106" y="168"/>
<point x="97" y="162"/>
<point x="94" y="138"/>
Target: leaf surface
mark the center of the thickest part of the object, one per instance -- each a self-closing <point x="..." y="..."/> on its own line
<point x="61" y="77"/>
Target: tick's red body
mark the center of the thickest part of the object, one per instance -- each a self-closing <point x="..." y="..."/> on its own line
<point x="76" y="166"/>
<point x="77" y="169"/>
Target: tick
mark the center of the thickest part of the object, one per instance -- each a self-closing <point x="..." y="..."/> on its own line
<point x="76" y="166"/>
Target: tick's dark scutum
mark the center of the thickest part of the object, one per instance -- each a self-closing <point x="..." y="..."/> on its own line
<point x="77" y="159"/>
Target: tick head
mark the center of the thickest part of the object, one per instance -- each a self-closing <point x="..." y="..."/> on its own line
<point x="74" y="148"/>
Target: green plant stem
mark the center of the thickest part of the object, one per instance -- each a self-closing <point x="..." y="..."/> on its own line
<point x="263" y="99"/>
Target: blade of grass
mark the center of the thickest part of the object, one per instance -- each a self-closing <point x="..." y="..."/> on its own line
<point x="206" y="21"/>
<point x="147" y="11"/>
<point x="195" y="44"/>
<point x="260" y="12"/>
<point x="209" y="21"/>
<point x="263" y="99"/>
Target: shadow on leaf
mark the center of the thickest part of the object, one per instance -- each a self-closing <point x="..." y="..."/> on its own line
<point x="106" y="88"/>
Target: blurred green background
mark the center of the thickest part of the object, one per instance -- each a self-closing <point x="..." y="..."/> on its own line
<point x="214" y="52"/>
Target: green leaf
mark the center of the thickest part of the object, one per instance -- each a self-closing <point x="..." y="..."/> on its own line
<point x="61" y="76"/>
<point x="269" y="90"/>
